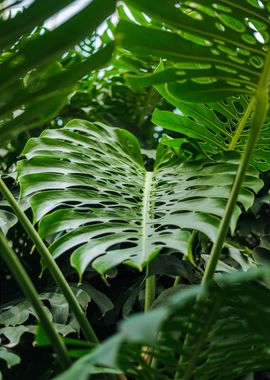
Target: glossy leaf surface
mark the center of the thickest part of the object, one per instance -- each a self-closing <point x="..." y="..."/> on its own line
<point x="34" y="86"/>
<point x="217" y="126"/>
<point x="214" y="50"/>
<point x="91" y="194"/>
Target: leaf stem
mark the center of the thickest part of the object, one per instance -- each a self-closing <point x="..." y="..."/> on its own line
<point x="55" y="271"/>
<point x="257" y="123"/>
<point x="177" y="280"/>
<point x="150" y="292"/>
<point x="30" y="292"/>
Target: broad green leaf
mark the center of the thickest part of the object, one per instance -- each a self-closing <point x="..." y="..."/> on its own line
<point x="37" y="12"/>
<point x="14" y="334"/>
<point x="262" y="252"/>
<point x="7" y="220"/>
<point x="91" y="194"/>
<point x="229" y="336"/>
<point x="33" y="91"/>
<point x="54" y="42"/>
<point x="103" y="302"/>
<point x="217" y="126"/>
<point x="36" y="114"/>
<point x="17" y="317"/>
<point x="45" y="92"/>
<point x="213" y="50"/>
<point x="9" y="357"/>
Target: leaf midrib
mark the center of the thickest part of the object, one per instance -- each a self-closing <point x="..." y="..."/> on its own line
<point x="146" y="212"/>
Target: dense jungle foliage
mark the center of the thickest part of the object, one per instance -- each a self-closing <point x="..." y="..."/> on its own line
<point x="135" y="190"/>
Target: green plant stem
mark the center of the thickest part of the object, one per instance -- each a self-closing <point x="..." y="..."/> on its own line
<point x="150" y="292"/>
<point x="257" y="123"/>
<point x="262" y="104"/>
<point x="249" y="376"/>
<point x="177" y="280"/>
<point x="58" y="276"/>
<point x="30" y="292"/>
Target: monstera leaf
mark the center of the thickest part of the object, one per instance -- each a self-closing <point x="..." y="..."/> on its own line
<point x="35" y="86"/>
<point x="227" y="337"/>
<point x="262" y="252"/>
<point x="92" y="196"/>
<point x="213" y="49"/>
<point x="217" y="126"/>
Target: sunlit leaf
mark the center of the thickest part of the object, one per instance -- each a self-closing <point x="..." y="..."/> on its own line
<point x="213" y="49"/>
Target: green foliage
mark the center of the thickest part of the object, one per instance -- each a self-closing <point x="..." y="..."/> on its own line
<point x="7" y="220"/>
<point x="17" y="317"/>
<point x="224" y="327"/>
<point x="31" y="81"/>
<point x="10" y="358"/>
<point x="212" y="50"/>
<point x="97" y="197"/>
<point x="223" y="125"/>
<point x="114" y="210"/>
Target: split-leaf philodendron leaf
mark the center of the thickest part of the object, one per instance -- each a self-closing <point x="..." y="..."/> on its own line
<point x="217" y="126"/>
<point x="213" y="49"/>
<point x="92" y="196"/>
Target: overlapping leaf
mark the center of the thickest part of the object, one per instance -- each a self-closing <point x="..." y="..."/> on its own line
<point x="10" y="358"/>
<point x="213" y="49"/>
<point x="20" y="317"/>
<point x="93" y="197"/>
<point x="229" y="336"/>
<point x="217" y="126"/>
<point x="7" y="220"/>
<point x="33" y="86"/>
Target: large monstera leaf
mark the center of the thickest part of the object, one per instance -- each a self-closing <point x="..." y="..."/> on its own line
<point x="92" y="196"/>
<point x="217" y="126"/>
<point x="213" y="49"/>
<point x="228" y="338"/>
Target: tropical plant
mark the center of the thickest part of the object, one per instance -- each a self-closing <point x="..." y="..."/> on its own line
<point x="228" y="343"/>
<point x="144" y="222"/>
<point x="32" y="82"/>
<point x="96" y="207"/>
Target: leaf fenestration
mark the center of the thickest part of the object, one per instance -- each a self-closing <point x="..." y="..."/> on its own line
<point x="214" y="50"/>
<point x="91" y="194"/>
